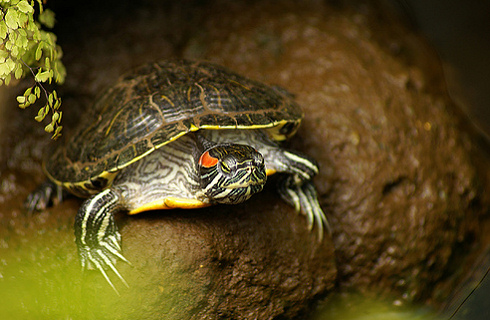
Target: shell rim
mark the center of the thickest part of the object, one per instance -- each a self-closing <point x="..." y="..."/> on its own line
<point x="111" y="173"/>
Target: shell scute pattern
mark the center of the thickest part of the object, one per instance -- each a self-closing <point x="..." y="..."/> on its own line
<point x="157" y="104"/>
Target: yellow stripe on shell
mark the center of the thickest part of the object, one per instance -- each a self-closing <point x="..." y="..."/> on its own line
<point x="272" y="130"/>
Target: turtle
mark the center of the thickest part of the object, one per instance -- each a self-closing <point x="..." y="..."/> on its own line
<point x="176" y="134"/>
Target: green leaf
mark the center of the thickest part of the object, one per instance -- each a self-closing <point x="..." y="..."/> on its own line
<point x="25" y="7"/>
<point x="37" y="92"/>
<point x="14" y="53"/>
<point x="40" y="4"/>
<point x="57" y="104"/>
<point x="28" y="91"/>
<point x="39" y="51"/>
<point x="4" y="68"/>
<point x="22" y="32"/>
<point x="47" y="17"/>
<point x="36" y="33"/>
<point x="42" y="76"/>
<point x="11" y="18"/>
<point x="22" y="40"/>
<point x="60" y="73"/>
<point x="49" y="128"/>
<point x="21" y="99"/>
<point x="18" y="72"/>
<point x="10" y="64"/>
<point x="22" y="46"/>
<point x="3" y="54"/>
<point x="57" y="133"/>
<point x="7" y="79"/>
<point x="31" y="98"/>
<point x="50" y="99"/>
<point x="41" y="114"/>
<point x="3" y="30"/>
<point x="23" y="19"/>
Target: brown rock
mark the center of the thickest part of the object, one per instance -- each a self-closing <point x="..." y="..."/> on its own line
<point x="397" y="174"/>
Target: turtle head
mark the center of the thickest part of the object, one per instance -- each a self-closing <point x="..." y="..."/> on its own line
<point x="231" y="173"/>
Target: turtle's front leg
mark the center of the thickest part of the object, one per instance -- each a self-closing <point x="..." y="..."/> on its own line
<point x="296" y="186"/>
<point x="97" y="237"/>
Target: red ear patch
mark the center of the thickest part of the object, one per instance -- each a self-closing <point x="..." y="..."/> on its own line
<point x="207" y="161"/>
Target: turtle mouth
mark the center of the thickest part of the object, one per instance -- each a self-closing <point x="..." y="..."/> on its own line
<point x="239" y="195"/>
<point x="238" y="191"/>
<point x="245" y="184"/>
<point x="255" y="177"/>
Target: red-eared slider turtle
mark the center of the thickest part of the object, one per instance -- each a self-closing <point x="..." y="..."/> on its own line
<point x="176" y="134"/>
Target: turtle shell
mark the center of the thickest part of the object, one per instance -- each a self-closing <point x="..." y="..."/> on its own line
<point x="156" y="104"/>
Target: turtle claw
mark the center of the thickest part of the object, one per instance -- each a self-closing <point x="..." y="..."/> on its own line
<point x="313" y="209"/>
<point x="43" y="196"/>
<point x="103" y="258"/>
<point x="304" y="199"/>
<point x="110" y="263"/>
<point x="99" y="267"/>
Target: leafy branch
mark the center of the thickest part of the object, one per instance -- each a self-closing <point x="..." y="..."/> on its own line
<point x="27" y="49"/>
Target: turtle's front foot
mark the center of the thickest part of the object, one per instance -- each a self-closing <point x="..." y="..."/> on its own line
<point x="304" y="199"/>
<point x="297" y="189"/>
<point x="43" y="196"/>
<point x="97" y="237"/>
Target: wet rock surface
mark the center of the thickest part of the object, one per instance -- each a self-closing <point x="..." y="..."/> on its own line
<point x="397" y="182"/>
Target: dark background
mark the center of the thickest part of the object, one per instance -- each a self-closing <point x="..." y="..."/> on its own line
<point x="460" y="31"/>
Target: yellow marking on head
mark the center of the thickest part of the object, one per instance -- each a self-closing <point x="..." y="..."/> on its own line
<point x="170" y="203"/>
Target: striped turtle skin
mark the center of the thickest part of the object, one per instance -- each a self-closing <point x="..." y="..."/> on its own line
<point x="176" y="134"/>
